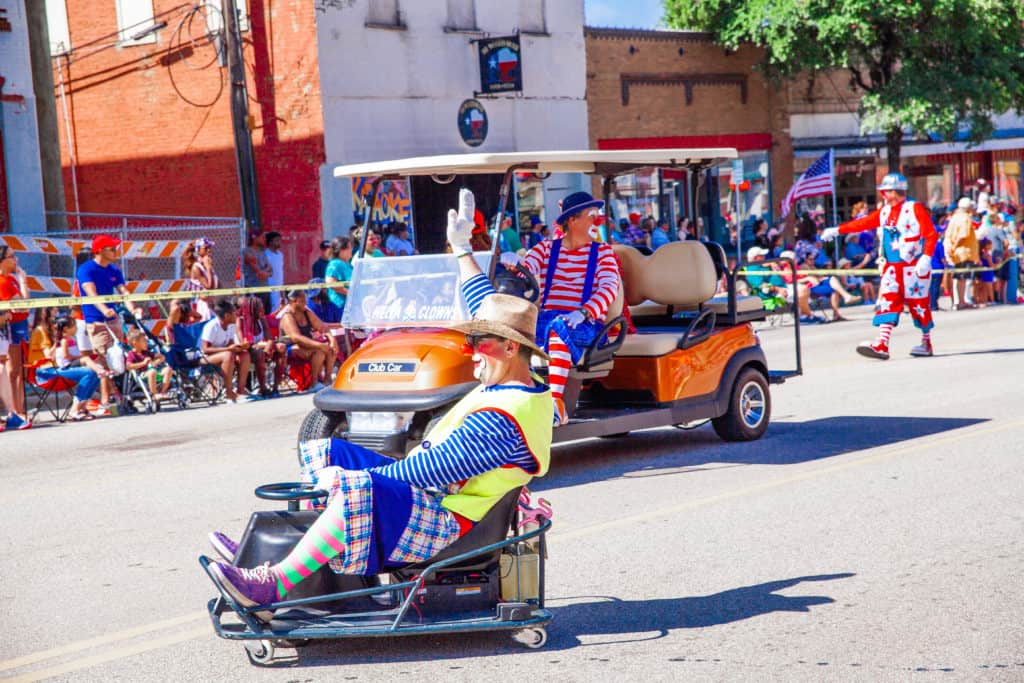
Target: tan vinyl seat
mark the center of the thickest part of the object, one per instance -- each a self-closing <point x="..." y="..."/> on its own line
<point x="649" y="344"/>
<point x="679" y="274"/>
<point x="744" y="304"/>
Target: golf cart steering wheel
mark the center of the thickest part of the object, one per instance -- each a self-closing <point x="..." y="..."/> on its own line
<point x="517" y="282"/>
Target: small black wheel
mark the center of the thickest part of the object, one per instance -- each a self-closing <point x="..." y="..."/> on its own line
<point x="534" y="637"/>
<point x="750" y="408"/>
<point x="259" y="652"/>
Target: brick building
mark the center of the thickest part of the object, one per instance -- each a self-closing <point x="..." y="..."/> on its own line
<point x="679" y="89"/>
<point x="144" y="100"/>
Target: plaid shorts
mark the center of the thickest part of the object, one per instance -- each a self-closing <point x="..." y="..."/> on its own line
<point x="430" y="529"/>
<point x="351" y="500"/>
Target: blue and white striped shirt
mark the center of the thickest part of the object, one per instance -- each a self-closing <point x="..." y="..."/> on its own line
<point x="486" y="440"/>
<point x="475" y="290"/>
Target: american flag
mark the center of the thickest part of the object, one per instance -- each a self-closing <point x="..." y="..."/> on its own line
<point x="814" y="181"/>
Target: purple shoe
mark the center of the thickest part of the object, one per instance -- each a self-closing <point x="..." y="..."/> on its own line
<point x="224" y="546"/>
<point x="249" y="587"/>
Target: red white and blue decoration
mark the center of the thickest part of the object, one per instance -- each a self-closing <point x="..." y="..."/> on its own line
<point x="500" y="65"/>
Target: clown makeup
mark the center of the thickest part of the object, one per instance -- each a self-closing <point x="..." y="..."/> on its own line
<point x="491" y="357"/>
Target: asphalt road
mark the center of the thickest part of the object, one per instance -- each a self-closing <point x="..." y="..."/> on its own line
<point x="875" y="533"/>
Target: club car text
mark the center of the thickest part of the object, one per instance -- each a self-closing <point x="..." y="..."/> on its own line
<point x="384" y="367"/>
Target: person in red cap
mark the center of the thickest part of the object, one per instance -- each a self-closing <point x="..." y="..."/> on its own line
<point x="99" y="277"/>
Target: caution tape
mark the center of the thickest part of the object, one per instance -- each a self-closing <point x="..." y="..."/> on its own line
<point x="70" y="246"/>
<point x="751" y="270"/>
<point x="68" y="301"/>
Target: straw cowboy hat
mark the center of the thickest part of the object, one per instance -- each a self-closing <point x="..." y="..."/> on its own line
<point x="508" y="317"/>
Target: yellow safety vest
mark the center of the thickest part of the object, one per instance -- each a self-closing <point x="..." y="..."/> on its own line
<point x="532" y="411"/>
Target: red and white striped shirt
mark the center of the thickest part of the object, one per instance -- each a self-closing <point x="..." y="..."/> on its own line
<point x="568" y="280"/>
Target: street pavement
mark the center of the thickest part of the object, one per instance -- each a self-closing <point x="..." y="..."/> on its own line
<point x="873" y="534"/>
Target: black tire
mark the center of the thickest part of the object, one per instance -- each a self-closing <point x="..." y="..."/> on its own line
<point x="750" y="408"/>
<point x="320" y="425"/>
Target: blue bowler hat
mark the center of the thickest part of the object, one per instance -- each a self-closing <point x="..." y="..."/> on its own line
<point x="576" y="202"/>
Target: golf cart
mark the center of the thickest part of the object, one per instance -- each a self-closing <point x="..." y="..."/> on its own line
<point x="694" y="355"/>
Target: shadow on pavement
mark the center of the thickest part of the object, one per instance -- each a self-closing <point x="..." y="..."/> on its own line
<point x="586" y="616"/>
<point x="673" y="451"/>
<point x="611" y="616"/>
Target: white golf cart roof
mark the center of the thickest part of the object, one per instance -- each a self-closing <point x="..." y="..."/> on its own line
<point x="597" y="162"/>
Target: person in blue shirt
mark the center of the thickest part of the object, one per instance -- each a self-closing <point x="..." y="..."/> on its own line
<point x="660" y="236"/>
<point x="339" y="271"/>
<point x="398" y="242"/>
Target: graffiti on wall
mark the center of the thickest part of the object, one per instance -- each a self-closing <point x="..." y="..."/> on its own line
<point x="393" y="203"/>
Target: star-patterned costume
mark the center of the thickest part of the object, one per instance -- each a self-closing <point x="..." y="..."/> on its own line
<point x="907" y="233"/>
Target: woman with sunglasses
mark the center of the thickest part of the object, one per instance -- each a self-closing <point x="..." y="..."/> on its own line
<point x="13" y="286"/>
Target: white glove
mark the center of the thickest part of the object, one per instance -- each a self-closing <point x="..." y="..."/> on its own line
<point x="509" y="259"/>
<point x="923" y="268"/>
<point x="829" y="234"/>
<point x="467" y="205"/>
<point x="575" y="318"/>
<point x="459" y="233"/>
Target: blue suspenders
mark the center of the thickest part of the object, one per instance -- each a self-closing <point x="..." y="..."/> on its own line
<point x="588" y="281"/>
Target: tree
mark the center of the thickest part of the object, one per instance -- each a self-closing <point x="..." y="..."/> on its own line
<point x="936" y="67"/>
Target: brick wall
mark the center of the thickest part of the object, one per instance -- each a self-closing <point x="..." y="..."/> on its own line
<point x="652" y="84"/>
<point x="151" y="124"/>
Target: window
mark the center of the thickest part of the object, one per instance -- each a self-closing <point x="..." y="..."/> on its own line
<point x="461" y="15"/>
<point x="215" y="20"/>
<point x="57" y="25"/>
<point x="133" y="18"/>
<point x="383" y="13"/>
<point x="531" y="16"/>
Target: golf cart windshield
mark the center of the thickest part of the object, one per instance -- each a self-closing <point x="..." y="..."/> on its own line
<point x="412" y="291"/>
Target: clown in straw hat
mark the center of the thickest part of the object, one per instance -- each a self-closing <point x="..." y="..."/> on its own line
<point x="579" y="280"/>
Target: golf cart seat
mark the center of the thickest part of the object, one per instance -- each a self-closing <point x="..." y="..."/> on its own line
<point x="678" y="276"/>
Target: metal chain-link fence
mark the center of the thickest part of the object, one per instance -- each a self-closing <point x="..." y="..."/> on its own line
<point x="158" y="248"/>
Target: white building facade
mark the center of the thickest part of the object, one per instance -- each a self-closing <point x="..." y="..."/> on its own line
<point x="21" y="197"/>
<point x="395" y="73"/>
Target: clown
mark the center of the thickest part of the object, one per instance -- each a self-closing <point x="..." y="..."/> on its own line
<point x="908" y="241"/>
<point x="579" y="279"/>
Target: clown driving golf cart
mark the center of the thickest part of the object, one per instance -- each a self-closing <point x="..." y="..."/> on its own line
<point x="693" y="356"/>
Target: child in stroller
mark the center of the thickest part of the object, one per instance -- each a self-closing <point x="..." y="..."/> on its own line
<point x="148" y="364"/>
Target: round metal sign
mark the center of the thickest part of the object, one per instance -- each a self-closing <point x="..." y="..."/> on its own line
<point x="472" y="123"/>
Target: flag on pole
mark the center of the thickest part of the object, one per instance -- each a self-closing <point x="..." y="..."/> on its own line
<point x="814" y="181"/>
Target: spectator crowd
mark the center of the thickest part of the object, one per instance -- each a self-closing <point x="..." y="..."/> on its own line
<point x="262" y="342"/>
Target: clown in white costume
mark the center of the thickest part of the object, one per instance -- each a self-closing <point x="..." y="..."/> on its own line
<point x="908" y="240"/>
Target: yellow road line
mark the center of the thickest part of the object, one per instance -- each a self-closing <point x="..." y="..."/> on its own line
<point x="127" y="634"/>
<point x="129" y="650"/>
<point x="112" y="655"/>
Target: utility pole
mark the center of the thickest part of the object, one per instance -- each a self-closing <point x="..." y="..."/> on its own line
<point x="46" y="115"/>
<point x="244" y="157"/>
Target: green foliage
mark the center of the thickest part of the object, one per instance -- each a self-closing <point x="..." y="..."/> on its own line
<point x="934" y="66"/>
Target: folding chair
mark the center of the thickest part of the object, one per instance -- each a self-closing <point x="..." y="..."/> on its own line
<point x="49" y="393"/>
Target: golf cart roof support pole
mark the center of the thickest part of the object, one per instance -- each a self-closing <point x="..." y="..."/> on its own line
<point x="609" y="213"/>
<point x="499" y="217"/>
<point x="368" y="226"/>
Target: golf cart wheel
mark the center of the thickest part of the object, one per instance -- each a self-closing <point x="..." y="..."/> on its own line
<point x="259" y="652"/>
<point x="750" y="408"/>
<point x="534" y="637"/>
<point x="320" y="425"/>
